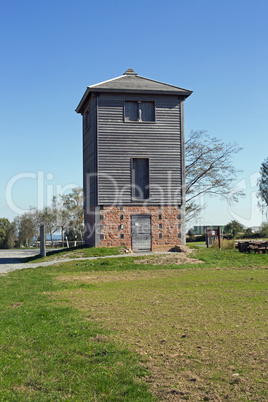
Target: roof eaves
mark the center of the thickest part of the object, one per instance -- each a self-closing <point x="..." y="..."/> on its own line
<point x="88" y="90"/>
<point x="179" y="91"/>
<point x="97" y="87"/>
<point x="104" y="82"/>
<point x="79" y="107"/>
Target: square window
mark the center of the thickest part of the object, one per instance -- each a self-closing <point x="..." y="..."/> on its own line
<point x="139" y="111"/>
<point x="160" y="235"/>
<point x="121" y="235"/>
<point x="131" y="111"/>
<point x="160" y="226"/>
<point x="121" y="217"/>
<point x="147" y="111"/>
<point x="121" y="208"/>
<point x="102" y="236"/>
<point x="101" y="207"/>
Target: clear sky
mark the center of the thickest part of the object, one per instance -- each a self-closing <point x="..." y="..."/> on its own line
<point x="51" y="51"/>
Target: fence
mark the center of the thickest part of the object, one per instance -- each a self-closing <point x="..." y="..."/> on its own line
<point x="59" y="244"/>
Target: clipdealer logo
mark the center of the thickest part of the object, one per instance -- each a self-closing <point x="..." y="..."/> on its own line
<point x="44" y="189"/>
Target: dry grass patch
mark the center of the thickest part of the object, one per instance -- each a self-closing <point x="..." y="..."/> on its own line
<point x="202" y="332"/>
<point x="168" y="259"/>
<point x="115" y="276"/>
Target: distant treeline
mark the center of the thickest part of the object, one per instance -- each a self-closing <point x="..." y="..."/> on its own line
<point x="64" y="214"/>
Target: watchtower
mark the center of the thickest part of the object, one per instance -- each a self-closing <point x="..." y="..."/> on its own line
<point x="133" y="163"/>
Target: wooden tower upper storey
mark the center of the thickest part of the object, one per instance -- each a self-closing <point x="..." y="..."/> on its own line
<point x="133" y="141"/>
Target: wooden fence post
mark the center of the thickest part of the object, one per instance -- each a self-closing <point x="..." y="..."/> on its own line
<point x="43" y="240"/>
<point x="219" y="234"/>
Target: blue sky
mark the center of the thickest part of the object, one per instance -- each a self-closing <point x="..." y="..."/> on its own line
<point x="50" y="52"/>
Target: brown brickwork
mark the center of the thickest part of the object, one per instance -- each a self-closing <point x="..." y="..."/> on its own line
<point x="165" y="221"/>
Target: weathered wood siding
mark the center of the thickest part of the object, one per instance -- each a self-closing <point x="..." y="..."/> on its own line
<point x="119" y="141"/>
<point x="90" y="156"/>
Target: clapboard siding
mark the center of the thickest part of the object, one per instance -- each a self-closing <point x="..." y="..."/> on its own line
<point x="90" y="156"/>
<point x="119" y="141"/>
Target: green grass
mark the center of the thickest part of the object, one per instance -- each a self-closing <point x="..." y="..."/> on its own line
<point x="195" y="243"/>
<point x="51" y="352"/>
<point x="75" y="252"/>
<point x="106" y="330"/>
<point x="211" y="258"/>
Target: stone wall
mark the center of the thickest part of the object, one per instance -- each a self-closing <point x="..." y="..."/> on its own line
<point x="115" y="226"/>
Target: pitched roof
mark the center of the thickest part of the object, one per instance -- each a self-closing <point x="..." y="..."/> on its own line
<point x="131" y="82"/>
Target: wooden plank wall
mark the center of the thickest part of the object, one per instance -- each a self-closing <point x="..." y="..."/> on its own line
<point x="90" y="156"/>
<point x="119" y="141"/>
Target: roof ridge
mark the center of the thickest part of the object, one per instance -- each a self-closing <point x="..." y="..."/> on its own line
<point x="130" y="71"/>
<point x="163" y="83"/>
<point x="131" y="82"/>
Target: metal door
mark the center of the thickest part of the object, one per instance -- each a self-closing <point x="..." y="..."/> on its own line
<point x="141" y="232"/>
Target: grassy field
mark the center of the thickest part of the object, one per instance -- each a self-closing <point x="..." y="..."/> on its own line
<point x="136" y="329"/>
<point x="196" y="243"/>
<point x="75" y="252"/>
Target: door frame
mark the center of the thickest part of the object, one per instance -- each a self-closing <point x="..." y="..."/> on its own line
<point x="142" y="215"/>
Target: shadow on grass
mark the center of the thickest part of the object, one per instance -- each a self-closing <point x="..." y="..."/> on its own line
<point x="54" y="253"/>
<point x="10" y="260"/>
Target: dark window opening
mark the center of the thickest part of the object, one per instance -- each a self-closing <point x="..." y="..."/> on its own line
<point x="121" y="217"/>
<point x="160" y="216"/>
<point x="140" y="178"/>
<point x="160" y="226"/>
<point x="139" y="111"/>
<point x="102" y="236"/>
<point x="121" y="208"/>
<point x="160" y="235"/>
<point x="131" y="111"/>
<point x="179" y="235"/>
<point x="121" y="235"/>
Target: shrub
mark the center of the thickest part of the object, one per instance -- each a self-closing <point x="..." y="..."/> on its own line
<point x="264" y="230"/>
<point x="225" y="244"/>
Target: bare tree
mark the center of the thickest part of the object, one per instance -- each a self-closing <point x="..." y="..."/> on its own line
<point x="209" y="170"/>
<point x="263" y="187"/>
<point x="48" y="216"/>
<point x="12" y="235"/>
<point x="63" y="216"/>
<point x="26" y="228"/>
<point x="73" y="205"/>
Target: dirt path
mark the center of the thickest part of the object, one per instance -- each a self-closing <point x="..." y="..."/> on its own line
<point x="10" y="259"/>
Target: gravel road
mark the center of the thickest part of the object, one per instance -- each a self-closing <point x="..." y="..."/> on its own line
<point x="10" y="259"/>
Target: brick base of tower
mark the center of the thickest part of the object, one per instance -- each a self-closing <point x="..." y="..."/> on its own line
<point x="111" y="226"/>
